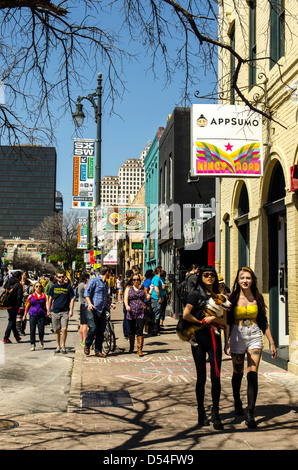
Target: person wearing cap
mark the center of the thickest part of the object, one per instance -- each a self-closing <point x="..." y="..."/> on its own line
<point x="223" y="288"/>
<point x="207" y="343"/>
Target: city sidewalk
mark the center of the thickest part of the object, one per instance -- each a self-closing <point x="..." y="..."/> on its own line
<point x="126" y="402"/>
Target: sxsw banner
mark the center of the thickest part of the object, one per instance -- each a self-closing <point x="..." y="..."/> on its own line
<point x="226" y="140"/>
<point x="83" y="174"/>
<point x="82" y="233"/>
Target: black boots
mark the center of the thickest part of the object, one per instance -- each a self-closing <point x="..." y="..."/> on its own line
<point x="203" y="421"/>
<point x="252" y="392"/>
<point x="250" y="420"/>
<point x="215" y="419"/>
<point x="217" y="424"/>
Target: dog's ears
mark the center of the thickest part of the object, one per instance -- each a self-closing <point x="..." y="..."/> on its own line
<point x="213" y="295"/>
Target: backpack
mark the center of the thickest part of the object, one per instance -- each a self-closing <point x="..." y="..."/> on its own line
<point x="182" y="291"/>
<point x="6" y="299"/>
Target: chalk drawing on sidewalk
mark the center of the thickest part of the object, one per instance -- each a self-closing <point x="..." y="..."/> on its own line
<point x="158" y="369"/>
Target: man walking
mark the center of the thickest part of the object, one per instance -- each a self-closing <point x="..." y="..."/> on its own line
<point x="157" y="297"/>
<point x="62" y="296"/>
<point x="16" y="296"/>
<point x="97" y="298"/>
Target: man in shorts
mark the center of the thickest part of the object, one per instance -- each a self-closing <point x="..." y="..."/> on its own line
<point x="62" y="297"/>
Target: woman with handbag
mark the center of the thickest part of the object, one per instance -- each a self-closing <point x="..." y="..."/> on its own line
<point x="37" y="306"/>
<point x="134" y="296"/>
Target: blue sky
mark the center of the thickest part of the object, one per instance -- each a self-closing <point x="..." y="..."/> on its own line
<point x="143" y="109"/>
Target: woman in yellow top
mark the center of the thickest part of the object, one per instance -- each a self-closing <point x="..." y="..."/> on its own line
<point x="246" y="323"/>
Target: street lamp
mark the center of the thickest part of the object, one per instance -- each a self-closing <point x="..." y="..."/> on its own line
<point x="78" y="117"/>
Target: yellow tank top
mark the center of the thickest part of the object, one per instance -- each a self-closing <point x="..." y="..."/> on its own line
<point x="251" y="311"/>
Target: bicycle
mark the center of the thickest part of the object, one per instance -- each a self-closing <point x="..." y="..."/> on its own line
<point x="109" y="339"/>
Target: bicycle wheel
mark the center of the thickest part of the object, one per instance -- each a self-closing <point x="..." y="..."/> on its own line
<point x="112" y="338"/>
<point x="106" y="344"/>
<point x="109" y="342"/>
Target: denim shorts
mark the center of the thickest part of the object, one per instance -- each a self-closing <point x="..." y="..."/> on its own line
<point x="244" y="338"/>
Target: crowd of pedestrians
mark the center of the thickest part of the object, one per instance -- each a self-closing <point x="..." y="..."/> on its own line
<point x="144" y="302"/>
<point x="44" y="301"/>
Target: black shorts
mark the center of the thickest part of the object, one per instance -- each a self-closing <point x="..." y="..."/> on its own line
<point x="83" y="317"/>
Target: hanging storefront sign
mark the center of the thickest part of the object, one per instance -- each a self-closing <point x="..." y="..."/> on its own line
<point x="111" y="258"/>
<point x="226" y="140"/>
<point x="83" y="174"/>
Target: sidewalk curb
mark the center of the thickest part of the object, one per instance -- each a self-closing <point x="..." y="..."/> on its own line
<point x="74" y="400"/>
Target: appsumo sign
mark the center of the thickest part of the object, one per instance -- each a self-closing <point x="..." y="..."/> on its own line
<point x="226" y="140"/>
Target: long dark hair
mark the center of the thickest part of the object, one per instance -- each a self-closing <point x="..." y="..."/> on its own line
<point x="254" y="289"/>
<point x="200" y="283"/>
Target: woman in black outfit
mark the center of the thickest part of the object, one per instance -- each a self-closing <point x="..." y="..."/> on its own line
<point x="208" y="342"/>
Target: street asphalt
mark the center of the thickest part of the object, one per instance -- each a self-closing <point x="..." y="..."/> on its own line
<point x="125" y="403"/>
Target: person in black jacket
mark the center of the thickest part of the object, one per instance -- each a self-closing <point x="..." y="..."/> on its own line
<point x="246" y="323"/>
<point x="207" y="343"/>
<point x="14" y="283"/>
<point x="192" y="277"/>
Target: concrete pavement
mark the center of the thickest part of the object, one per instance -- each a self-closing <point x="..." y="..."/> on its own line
<point x="127" y="403"/>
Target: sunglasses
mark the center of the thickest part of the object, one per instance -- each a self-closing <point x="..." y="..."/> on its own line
<point x="37" y="286"/>
<point x="136" y="279"/>
<point x="208" y="275"/>
<point x="60" y="277"/>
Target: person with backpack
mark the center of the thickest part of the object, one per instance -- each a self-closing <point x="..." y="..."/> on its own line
<point x="192" y="278"/>
<point x="13" y="300"/>
<point x="189" y="283"/>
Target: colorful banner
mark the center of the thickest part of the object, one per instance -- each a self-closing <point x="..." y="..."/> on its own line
<point x="83" y="174"/>
<point x="82" y="233"/>
<point x="226" y="141"/>
<point x="125" y="219"/>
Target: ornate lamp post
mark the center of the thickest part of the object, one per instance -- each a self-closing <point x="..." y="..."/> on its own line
<point x="78" y="116"/>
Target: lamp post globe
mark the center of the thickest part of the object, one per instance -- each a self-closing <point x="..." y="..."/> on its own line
<point x="78" y="115"/>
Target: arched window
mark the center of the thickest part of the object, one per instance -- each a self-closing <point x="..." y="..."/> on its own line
<point x="243" y="228"/>
<point x="277" y="184"/>
<point x="227" y="250"/>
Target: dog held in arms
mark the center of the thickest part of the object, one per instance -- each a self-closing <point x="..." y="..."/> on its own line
<point x="215" y="306"/>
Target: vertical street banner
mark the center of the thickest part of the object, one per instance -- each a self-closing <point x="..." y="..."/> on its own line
<point x="82" y="233"/>
<point x="226" y="140"/>
<point x="83" y="174"/>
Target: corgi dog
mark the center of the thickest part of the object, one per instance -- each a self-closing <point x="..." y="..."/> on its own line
<point x="215" y="306"/>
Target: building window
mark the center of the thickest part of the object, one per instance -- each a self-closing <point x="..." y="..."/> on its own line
<point x="277" y="30"/>
<point x="252" y="43"/>
<point x="227" y="250"/>
<point x="232" y="63"/>
<point x="243" y="228"/>
<point x="170" y="178"/>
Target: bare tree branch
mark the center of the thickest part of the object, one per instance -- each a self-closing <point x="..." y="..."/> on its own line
<point x="45" y="46"/>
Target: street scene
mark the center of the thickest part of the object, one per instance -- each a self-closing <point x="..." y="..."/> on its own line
<point x="126" y="402"/>
<point x="148" y="228"/>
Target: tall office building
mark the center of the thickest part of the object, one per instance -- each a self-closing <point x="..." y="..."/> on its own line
<point x="131" y="177"/>
<point x="27" y="189"/>
<point x="122" y="189"/>
<point x="109" y="190"/>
